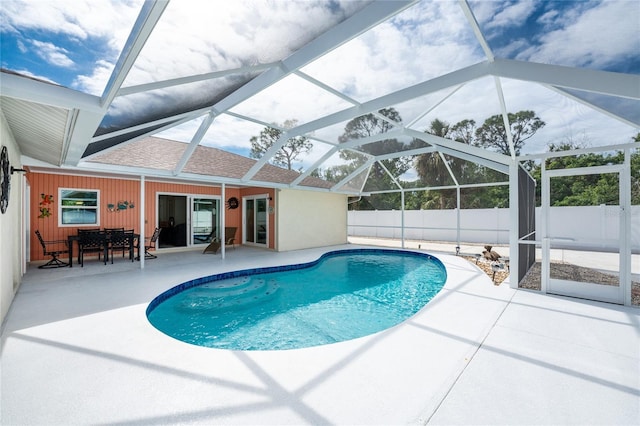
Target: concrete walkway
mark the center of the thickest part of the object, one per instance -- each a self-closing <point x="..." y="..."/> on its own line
<point x="77" y="349"/>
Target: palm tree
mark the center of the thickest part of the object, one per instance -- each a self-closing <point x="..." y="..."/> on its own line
<point x="431" y="167"/>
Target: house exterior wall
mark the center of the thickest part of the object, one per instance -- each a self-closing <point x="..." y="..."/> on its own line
<point x="307" y="219"/>
<point x="152" y="189"/>
<point x="113" y="190"/>
<point x="11" y="226"/>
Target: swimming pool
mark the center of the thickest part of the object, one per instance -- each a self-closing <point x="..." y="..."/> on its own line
<point x="343" y="295"/>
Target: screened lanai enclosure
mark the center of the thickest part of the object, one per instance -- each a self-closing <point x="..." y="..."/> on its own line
<point x="375" y="97"/>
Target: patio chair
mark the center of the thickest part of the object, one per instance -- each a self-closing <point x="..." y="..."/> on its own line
<point x="230" y="236"/>
<point x="205" y="238"/>
<point x="62" y="248"/>
<point x="213" y="246"/>
<point x="230" y="239"/>
<point x="121" y="240"/>
<point x="92" y="241"/>
<point x="152" y="244"/>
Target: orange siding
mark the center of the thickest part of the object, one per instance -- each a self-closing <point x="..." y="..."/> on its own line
<point x="114" y="190"/>
<point x="153" y="188"/>
<point x="111" y="191"/>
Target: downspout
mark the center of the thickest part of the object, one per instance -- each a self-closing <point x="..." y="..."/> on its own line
<point x="141" y="240"/>
<point x="222" y="220"/>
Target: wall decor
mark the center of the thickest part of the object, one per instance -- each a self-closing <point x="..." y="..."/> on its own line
<point x="232" y="203"/>
<point x="6" y="170"/>
<point x="119" y="206"/>
<point x="46" y="202"/>
<point x="5" y="179"/>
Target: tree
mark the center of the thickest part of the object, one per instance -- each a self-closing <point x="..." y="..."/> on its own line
<point x="523" y="125"/>
<point x="370" y="125"/>
<point x="431" y="167"/>
<point x="582" y="190"/>
<point x="289" y="152"/>
<point x="434" y="170"/>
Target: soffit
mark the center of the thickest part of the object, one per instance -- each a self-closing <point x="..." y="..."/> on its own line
<point x="39" y="130"/>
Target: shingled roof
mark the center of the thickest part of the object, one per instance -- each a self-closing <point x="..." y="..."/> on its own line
<point x="163" y="154"/>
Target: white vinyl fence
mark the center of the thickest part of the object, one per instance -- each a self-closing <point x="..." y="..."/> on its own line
<point x="490" y="226"/>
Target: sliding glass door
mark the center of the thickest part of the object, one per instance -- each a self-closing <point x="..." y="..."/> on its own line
<point x="187" y="220"/>
<point x="256" y="225"/>
<point x="204" y="220"/>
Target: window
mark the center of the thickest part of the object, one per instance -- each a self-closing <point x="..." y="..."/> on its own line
<point x="79" y="207"/>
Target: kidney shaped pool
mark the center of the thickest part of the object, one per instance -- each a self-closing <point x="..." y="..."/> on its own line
<point x="343" y="295"/>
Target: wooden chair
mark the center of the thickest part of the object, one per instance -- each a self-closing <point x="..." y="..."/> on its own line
<point x="229" y="237"/>
<point x="59" y="247"/>
<point x="213" y="246"/>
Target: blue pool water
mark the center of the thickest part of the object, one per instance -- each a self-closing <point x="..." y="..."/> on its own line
<point x="343" y="295"/>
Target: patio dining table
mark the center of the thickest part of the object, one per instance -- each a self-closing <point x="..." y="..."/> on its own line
<point x="134" y="242"/>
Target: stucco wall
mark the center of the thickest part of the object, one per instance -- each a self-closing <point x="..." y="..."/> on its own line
<point x="307" y="219"/>
<point x="11" y="226"/>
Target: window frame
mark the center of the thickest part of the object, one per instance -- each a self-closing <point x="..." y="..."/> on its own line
<point x="61" y="207"/>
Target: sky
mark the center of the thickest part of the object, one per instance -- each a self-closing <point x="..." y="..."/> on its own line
<point x="77" y="43"/>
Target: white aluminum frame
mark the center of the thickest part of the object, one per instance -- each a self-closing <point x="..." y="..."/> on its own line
<point x="620" y="294"/>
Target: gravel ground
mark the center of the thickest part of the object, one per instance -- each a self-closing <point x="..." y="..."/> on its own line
<point x="558" y="270"/>
<point x="486" y="266"/>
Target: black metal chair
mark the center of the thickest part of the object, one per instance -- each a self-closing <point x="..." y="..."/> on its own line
<point x="121" y="240"/>
<point x="92" y="241"/>
<point x="152" y="244"/>
<point x="59" y="247"/>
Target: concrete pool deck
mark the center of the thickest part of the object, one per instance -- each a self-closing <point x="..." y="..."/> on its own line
<point x="77" y="349"/>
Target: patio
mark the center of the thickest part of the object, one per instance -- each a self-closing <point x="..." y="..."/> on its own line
<point x="77" y="349"/>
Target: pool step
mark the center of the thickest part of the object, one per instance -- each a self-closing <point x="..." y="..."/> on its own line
<point x="226" y="295"/>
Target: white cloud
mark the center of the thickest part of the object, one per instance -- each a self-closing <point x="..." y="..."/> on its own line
<point x="95" y="82"/>
<point x="513" y="14"/>
<point x="291" y="98"/>
<point x="54" y="16"/>
<point x="76" y="19"/>
<point x="53" y="54"/>
<point x="225" y="35"/>
<point x="420" y="43"/>
<point x="597" y="37"/>
<point x="77" y="22"/>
